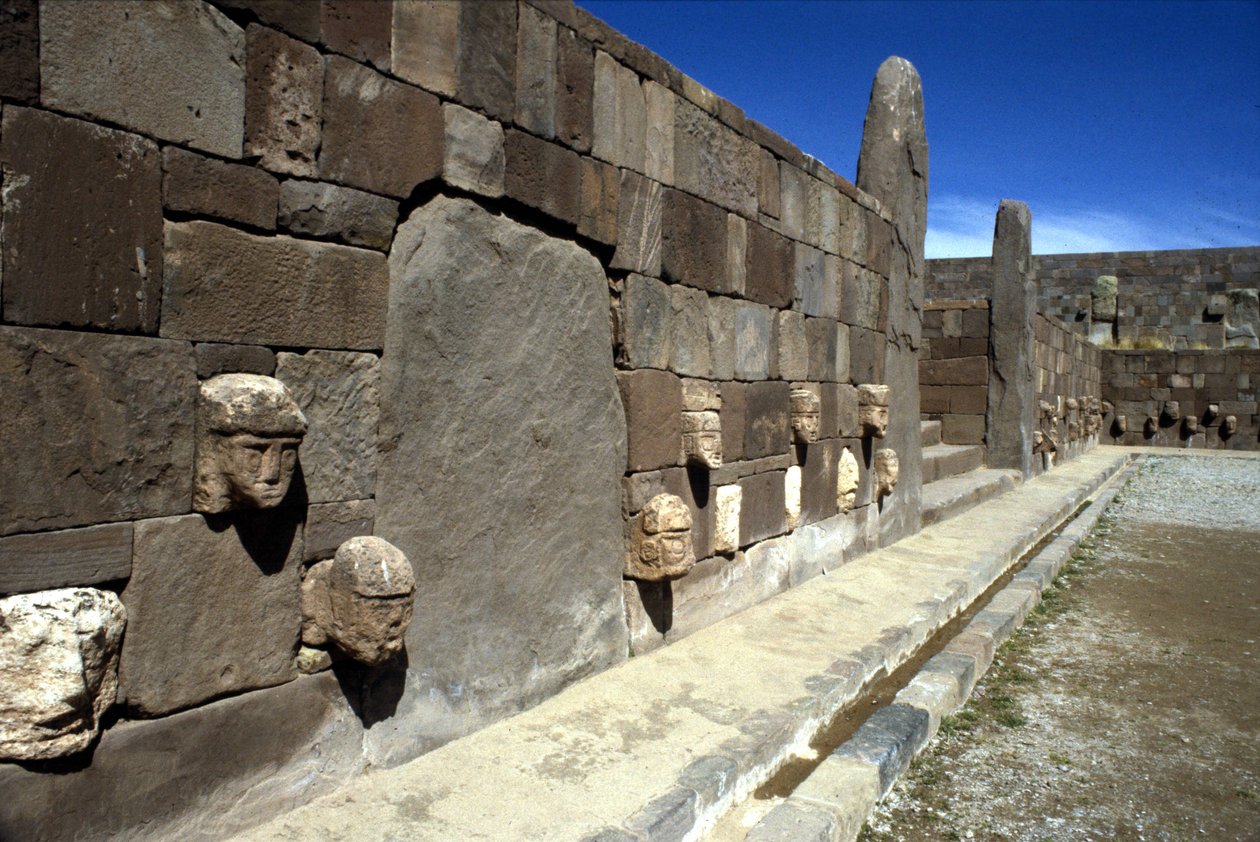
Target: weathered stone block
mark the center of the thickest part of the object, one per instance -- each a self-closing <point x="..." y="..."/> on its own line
<point x="767" y="429"/>
<point x="752" y="341"/>
<point x="329" y="525"/>
<point x="1103" y="298"/>
<point x="693" y="242"/>
<point x="867" y="350"/>
<point x="214" y="358"/>
<point x="99" y="428"/>
<point x="172" y="70"/>
<point x="768" y="185"/>
<point x="658" y="152"/>
<point x="283" y="101"/>
<point x="82" y="214"/>
<point x="46" y="560"/>
<point x="726" y="519"/>
<point x="771" y="267"/>
<point x="575" y="85"/>
<point x="545" y="176"/>
<point x="736" y="253"/>
<point x="763" y="507"/>
<point x="962" y="429"/>
<point x="338" y="213"/>
<point x="822" y="336"/>
<point x="359" y="30"/>
<point x="530" y="445"/>
<point x="794" y="199"/>
<point x="689" y="332"/>
<point x="646" y="308"/>
<point x="793" y="346"/>
<point x="620" y="114"/>
<point x="486" y="58"/>
<point x="601" y="192"/>
<point x="212" y="608"/>
<point x="815" y="289"/>
<point x="425" y="38"/>
<point x="59" y="659"/>
<point x="536" y="52"/>
<point x="848" y="420"/>
<point x="205" y="187"/>
<point x="734" y="410"/>
<point x="722" y="319"/>
<point x="229" y="286"/>
<point x="715" y="162"/>
<point x="338" y="392"/>
<point x="962" y="371"/>
<point x="639" y="215"/>
<point x="474" y="151"/>
<point x="379" y="134"/>
<point x="19" y="50"/>
<point x="653" y="407"/>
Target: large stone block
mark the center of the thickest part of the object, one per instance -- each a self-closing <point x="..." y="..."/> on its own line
<point x="793" y="346"/>
<point x="767" y="425"/>
<point x="1011" y="416"/>
<point x="645" y="323"/>
<point x="639" y="215"/>
<point x="763" y="507"/>
<point x="474" y="151"/>
<point x="283" y="101"/>
<point x="819" y="480"/>
<point x="601" y="193"/>
<point x="359" y="30"/>
<point x="59" y="659"/>
<point x="771" y="267"/>
<point x="689" y="332"/>
<point x="722" y="318"/>
<point x="545" y="176"/>
<point x="714" y="161"/>
<point x="822" y="339"/>
<point x="486" y="58"/>
<point x="82" y="215"/>
<point x="653" y="408"/>
<point x="658" y="150"/>
<point x="536" y="53"/>
<point x="212" y="608"/>
<point x="46" y="560"/>
<point x="339" y="393"/>
<point x="575" y="86"/>
<point x="19" y="50"/>
<point x="693" y="242"/>
<point x="172" y="70"/>
<point x="620" y="114"/>
<point x="753" y="337"/>
<point x="507" y="501"/>
<point x="225" y="285"/>
<point x="425" y="43"/>
<point x="815" y="292"/>
<point x="203" y="186"/>
<point x="379" y="134"/>
<point x="98" y="428"/>
<point x="337" y="213"/>
<point x="329" y="525"/>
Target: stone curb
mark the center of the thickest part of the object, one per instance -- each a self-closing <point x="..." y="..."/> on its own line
<point x="837" y="798"/>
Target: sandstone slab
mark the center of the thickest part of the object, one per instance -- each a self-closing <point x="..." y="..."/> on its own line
<point x="689" y="332"/>
<point x="722" y="316"/>
<point x="212" y="608"/>
<point x="575" y="85"/>
<point x="771" y="267"/>
<point x="653" y="408"/>
<point x="767" y="427"/>
<point x="359" y="30"/>
<point x="546" y="176"/>
<point x="693" y="242"/>
<point x="19" y="50"/>
<point x="620" y="114"/>
<point x="474" y="151"/>
<point x="601" y="193"/>
<point x="284" y="106"/>
<point x="646" y="308"/>
<point x="714" y="161"/>
<point x="639" y="215"/>
<point x="228" y="286"/>
<point x="204" y="186"/>
<point x="45" y="560"/>
<point x="1011" y="416"/>
<point x="486" y="58"/>
<point x="330" y="212"/>
<point x="99" y="428"/>
<point x="425" y="44"/>
<point x="172" y="70"/>
<point x="82" y="216"/>
<point x="536" y="50"/>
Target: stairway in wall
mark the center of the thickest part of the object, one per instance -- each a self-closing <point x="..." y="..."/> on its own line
<point x="954" y="476"/>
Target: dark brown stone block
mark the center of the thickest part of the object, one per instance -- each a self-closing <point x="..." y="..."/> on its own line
<point x="329" y="525"/>
<point x="692" y="485"/>
<point x="861" y="292"/>
<point x="66" y="558"/>
<point x="766" y="420"/>
<point x="965" y="371"/>
<point x="866" y="356"/>
<point x="486" y="68"/>
<point x="575" y="90"/>
<point x="359" y="30"/>
<point x="969" y="400"/>
<point x="973" y="346"/>
<point x="818" y="480"/>
<point x="206" y="187"/>
<point x="214" y="358"/>
<point x="19" y="50"/>
<point x="601" y="189"/>
<point x="653" y="405"/>
<point x="934" y="400"/>
<point x="771" y="266"/>
<point x="975" y="323"/>
<point x="284" y="89"/>
<point x="693" y="242"/>
<point x="962" y="429"/>
<point x="762" y="509"/>
<point x="82" y="224"/>
<point x="297" y="17"/>
<point x="733" y="413"/>
<point x="879" y="244"/>
<point x="379" y="134"/>
<point x="96" y="428"/>
<point x="545" y="176"/>
<point x="821" y="338"/>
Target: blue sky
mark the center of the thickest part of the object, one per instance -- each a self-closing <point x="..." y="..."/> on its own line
<point x="1124" y="125"/>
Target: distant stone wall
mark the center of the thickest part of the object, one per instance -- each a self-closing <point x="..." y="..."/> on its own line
<point x="1182" y="298"/>
<point x="1182" y="398"/>
<point x="954" y="368"/>
<point x="504" y="261"/>
<point x="1068" y="378"/>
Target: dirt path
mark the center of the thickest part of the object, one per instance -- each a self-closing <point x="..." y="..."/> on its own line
<point x="1128" y="707"/>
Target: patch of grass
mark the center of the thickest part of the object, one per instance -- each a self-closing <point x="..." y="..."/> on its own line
<point x="1061" y="759"/>
<point x="1010" y="719"/>
<point x="1245" y="794"/>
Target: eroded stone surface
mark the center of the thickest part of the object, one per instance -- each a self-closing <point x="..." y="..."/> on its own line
<point x="702" y="439"/>
<point x="474" y="151"/>
<point x="848" y="477"/>
<point x="726" y="518"/>
<point x="340" y="213"/>
<point x="887" y="471"/>
<point x="660" y="541"/>
<point x="1009" y="421"/>
<point x="283" y="101"/>
<point x="59" y="663"/>
<point x="792" y="496"/>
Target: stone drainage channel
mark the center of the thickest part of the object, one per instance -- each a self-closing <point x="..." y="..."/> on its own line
<point x="828" y="795"/>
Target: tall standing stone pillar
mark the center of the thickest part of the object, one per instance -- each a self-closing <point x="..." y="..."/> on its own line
<point x="893" y="167"/>
<point x="1011" y="417"/>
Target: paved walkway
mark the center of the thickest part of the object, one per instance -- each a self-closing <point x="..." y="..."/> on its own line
<point x="664" y="743"/>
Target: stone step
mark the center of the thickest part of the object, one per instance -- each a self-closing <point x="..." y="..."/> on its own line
<point x="948" y="460"/>
<point x="930" y="433"/>
<point x="953" y="495"/>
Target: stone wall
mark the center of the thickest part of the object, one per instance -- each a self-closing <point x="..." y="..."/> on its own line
<point x="1182" y="398"/>
<point x="498" y="255"/>
<point x="954" y="368"/>
<point x="1068" y="377"/>
<point x="1203" y="298"/>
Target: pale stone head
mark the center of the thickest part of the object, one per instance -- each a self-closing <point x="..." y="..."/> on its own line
<point x="1230" y="425"/>
<point x="806" y="412"/>
<point x="887" y="470"/>
<point x="248" y="432"/>
<point x="1073" y="404"/>
<point x="1107" y="407"/>
<point x="1039" y="441"/>
<point x="1191" y="424"/>
<point x="1172" y="410"/>
<point x="1213" y="410"/>
<point x="1121" y="424"/>
<point x="848" y="477"/>
<point x="361" y="600"/>
<point x="660" y="544"/>
<point x="873" y="409"/>
<point x="1151" y="426"/>
<point x="702" y="439"/>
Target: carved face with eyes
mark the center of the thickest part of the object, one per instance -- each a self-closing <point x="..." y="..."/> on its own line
<point x="258" y="469"/>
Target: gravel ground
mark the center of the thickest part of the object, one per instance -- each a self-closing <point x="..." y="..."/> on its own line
<point x="1128" y="707"/>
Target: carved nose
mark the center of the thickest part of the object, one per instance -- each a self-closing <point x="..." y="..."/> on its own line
<point x="270" y="470"/>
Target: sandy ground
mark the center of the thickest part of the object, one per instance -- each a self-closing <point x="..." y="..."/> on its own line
<point x="1128" y="707"/>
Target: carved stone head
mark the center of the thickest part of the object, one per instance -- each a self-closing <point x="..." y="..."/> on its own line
<point x="1073" y="430"/>
<point x="248" y="432"/>
<point x="806" y="411"/>
<point x="1073" y="404"/>
<point x="1172" y="410"/>
<point x="1107" y="408"/>
<point x="887" y="470"/>
<point x="873" y="409"/>
<point x="1151" y="426"/>
<point x="1230" y="425"/>
<point x="1191" y="424"/>
<point x="1213" y="410"/>
<point x="361" y="600"/>
<point x="660" y="541"/>
<point x="702" y="439"/>
<point x="1120" y="425"/>
<point x="848" y="476"/>
<point x="1046" y="408"/>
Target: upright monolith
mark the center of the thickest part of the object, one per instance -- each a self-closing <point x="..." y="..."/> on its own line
<point x="1010" y="419"/>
